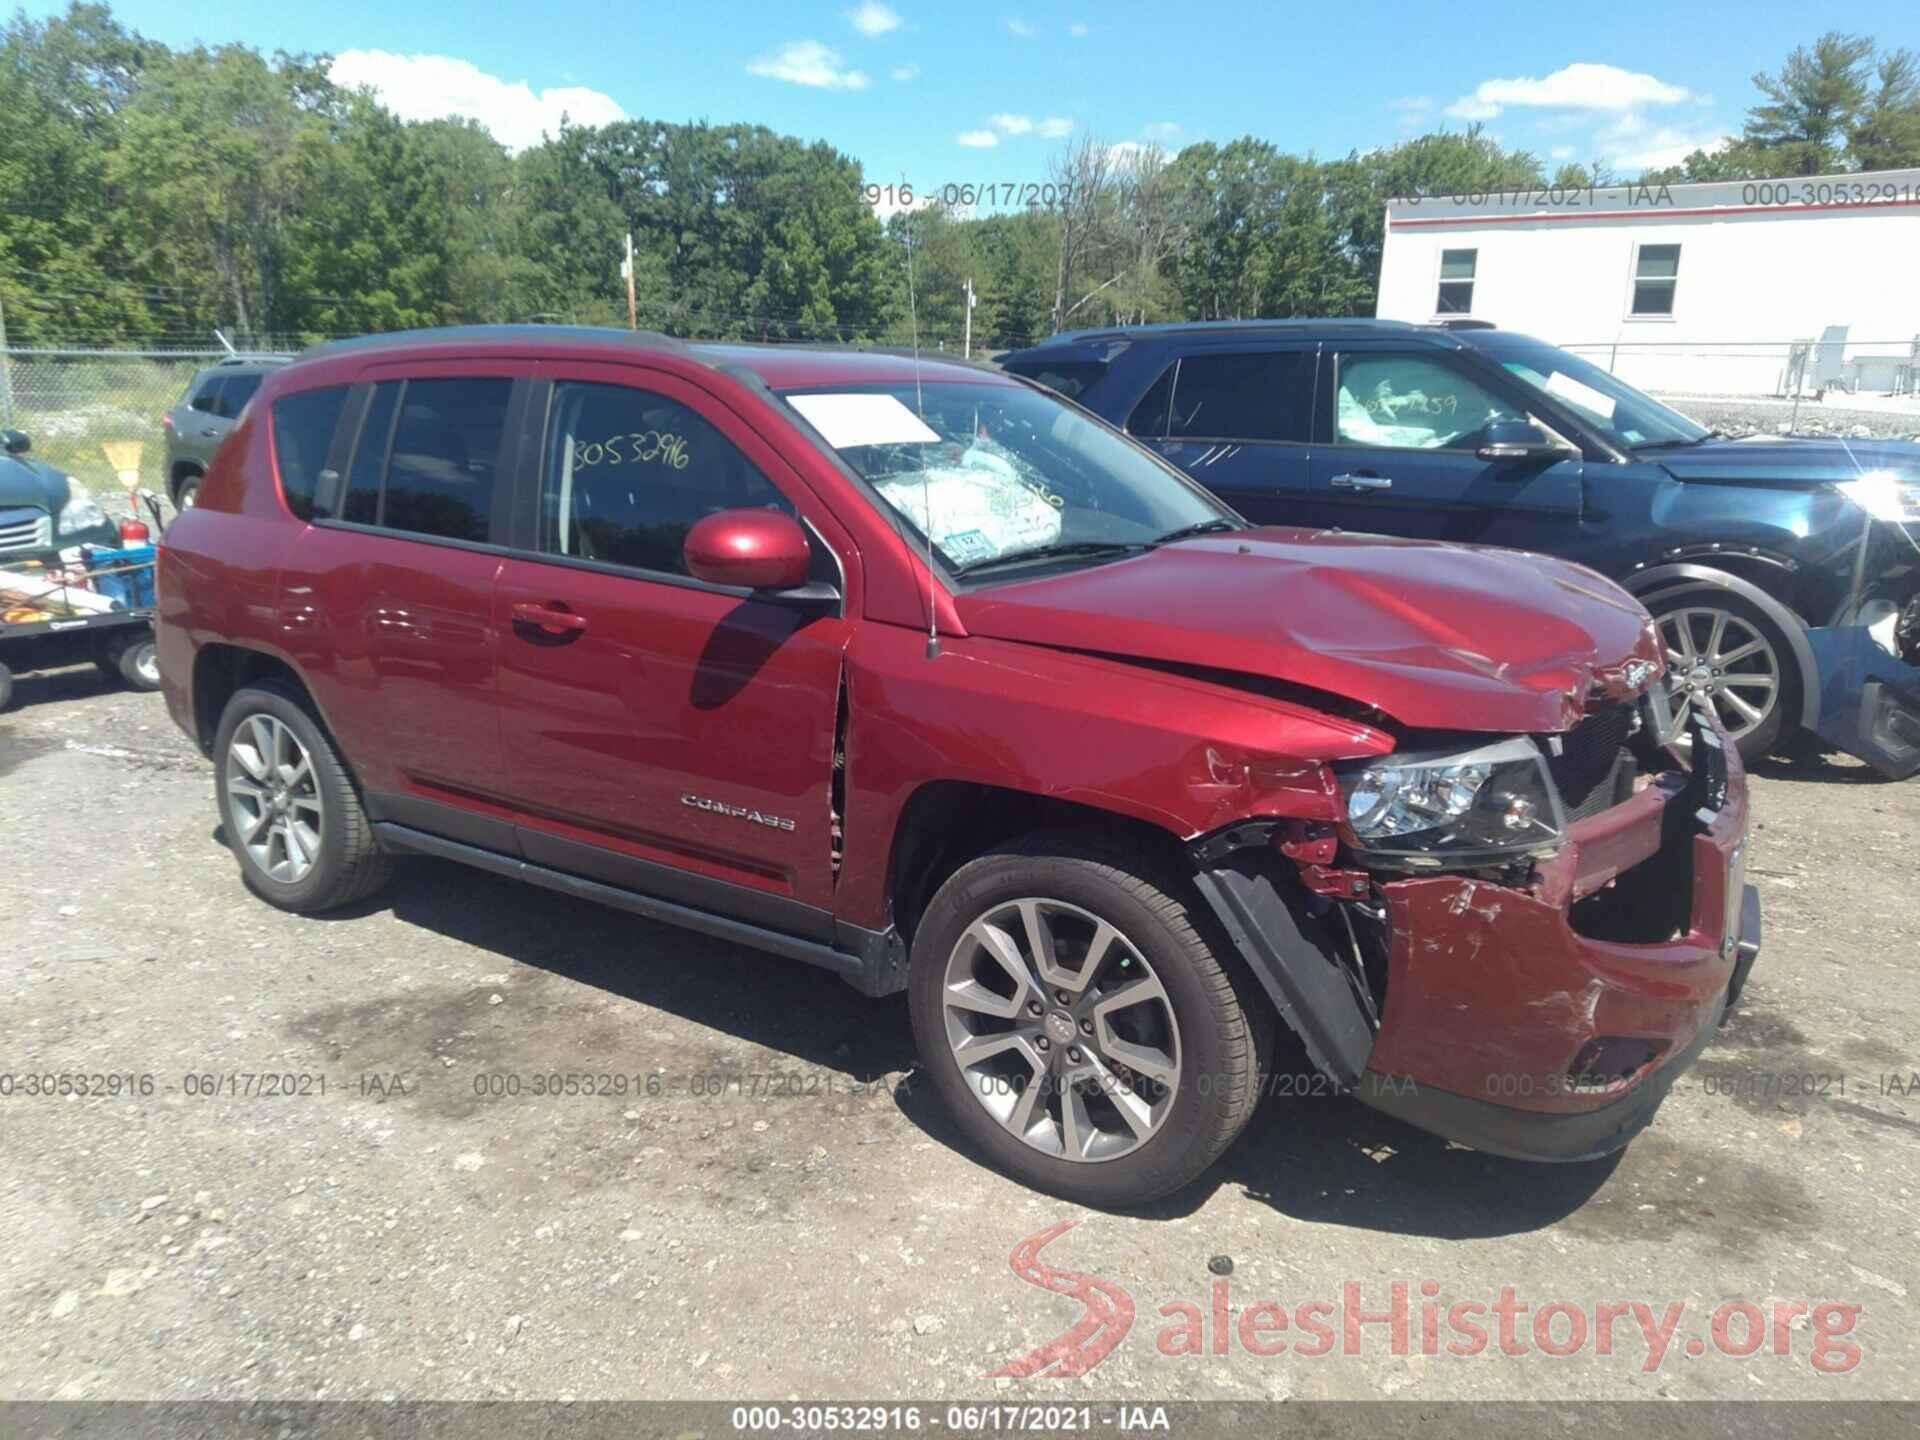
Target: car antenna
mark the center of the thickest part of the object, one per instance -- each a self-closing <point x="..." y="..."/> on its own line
<point x="926" y="485"/>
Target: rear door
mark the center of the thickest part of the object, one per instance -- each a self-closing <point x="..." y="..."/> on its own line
<point x="1403" y="427"/>
<point x="203" y="426"/>
<point x="663" y="734"/>
<point x="1239" y="421"/>
<point x="395" y="578"/>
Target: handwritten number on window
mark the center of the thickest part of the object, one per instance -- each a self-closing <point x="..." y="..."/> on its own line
<point x="637" y="447"/>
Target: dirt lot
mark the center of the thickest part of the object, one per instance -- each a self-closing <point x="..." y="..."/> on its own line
<point x="811" y="1229"/>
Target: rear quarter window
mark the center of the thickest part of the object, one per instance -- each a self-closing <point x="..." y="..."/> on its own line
<point x="1071" y="378"/>
<point x="303" y="426"/>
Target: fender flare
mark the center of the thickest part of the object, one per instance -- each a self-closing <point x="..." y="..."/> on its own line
<point x="1681" y="579"/>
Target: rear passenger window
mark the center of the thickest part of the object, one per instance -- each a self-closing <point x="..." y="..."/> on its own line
<point x="206" y="394"/>
<point x="1244" y="397"/>
<point x="1070" y="377"/>
<point x="628" y="472"/>
<point x="303" y="428"/>
<point x="426" y="457"/>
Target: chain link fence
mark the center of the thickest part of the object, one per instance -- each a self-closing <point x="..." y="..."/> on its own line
<point x="1831" y="384"/>
<point x="72" y="404"/>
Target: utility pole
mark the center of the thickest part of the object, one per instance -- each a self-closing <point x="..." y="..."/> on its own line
<point x="967" y="350"/>
<point x="633" y="307"/>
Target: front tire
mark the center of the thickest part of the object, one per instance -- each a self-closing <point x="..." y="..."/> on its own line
<point x="1079" y="1027"/>
<point x="1725" y="655"/>
<point x="291" y="813"/>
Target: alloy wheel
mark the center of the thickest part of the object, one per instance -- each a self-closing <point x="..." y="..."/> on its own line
<point x="273" y="798"/>
<point x="1062" y="1030"/>
<point x="1721" y="664"/>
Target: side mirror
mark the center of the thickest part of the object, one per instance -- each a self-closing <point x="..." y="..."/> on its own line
<point x="16" y="441"/>
<point x="1520" y="440"/>
<point x="758" y="549"/>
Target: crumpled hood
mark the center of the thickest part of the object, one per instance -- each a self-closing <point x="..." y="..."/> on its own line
<point x="1805" y="462"/>
<point x="26" y="482"/>
<point x="1436" y="636"/>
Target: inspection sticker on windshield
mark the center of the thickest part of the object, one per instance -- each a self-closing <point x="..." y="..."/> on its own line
<point x="849" y="420"/>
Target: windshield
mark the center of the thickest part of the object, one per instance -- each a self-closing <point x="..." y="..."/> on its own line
<point x="994" y="472"/>
<point x="1627" y="418"/>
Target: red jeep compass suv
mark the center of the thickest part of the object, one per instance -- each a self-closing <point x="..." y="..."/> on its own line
<point x="909" y="670"/>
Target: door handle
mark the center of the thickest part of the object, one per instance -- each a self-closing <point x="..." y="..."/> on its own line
<point x="211" y="430"/>
<point x="1361" y="482"/>
<point x="548" y="618"/>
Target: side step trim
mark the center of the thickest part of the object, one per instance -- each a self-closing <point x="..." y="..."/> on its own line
<point x="854" y="969"/>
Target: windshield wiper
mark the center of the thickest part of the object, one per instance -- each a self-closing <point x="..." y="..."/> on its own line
<point x="1187" y="532"/>
<point x="1050" y="552"/>
<point x="1678" y="444"/>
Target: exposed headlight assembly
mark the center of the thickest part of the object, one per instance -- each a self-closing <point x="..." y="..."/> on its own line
<point x="80" y="512"/>
<point x="1885" y="496"/>
<point x="1429" y="810"/>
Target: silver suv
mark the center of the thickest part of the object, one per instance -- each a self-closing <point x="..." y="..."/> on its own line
<point x="197" y="424"/>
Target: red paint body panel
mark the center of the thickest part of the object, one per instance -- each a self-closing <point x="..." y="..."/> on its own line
<point x="1437" y="636"/>
<point x="1492" y="992"/>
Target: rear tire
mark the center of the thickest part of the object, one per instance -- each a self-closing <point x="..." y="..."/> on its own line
<point x="291" y="812"/>
<point x="6" y="687"/>
<point x="133" y="660"/>
<point x="1186" y="1062"/>
<point x="187" y="493"/>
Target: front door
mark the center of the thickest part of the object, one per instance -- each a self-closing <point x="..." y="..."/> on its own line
<point x="663" y="734"/>
<point x="1405" y="429"/>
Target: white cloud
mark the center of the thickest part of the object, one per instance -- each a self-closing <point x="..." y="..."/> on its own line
<point x="872" y="18"/>
<point x="1128" y="153"/>
<point x="1022" y="28"/>
<point x="430" y="87"/>
<point x="889" y="202"/>
<point x="1581" y="86"/>
<point x="1053" y="127"/>
<point x="1077" y="30"/>
<point x="1561" y="152"/>
<point x="977" y="139"/>
<point x="808" y="62"/>
<point x="1414" y="111"/>
<point x="904" y="72"/>
<point x="1011" y="124"/>
<point x="1631" y="144"/>
<point x="1161" y="129"/>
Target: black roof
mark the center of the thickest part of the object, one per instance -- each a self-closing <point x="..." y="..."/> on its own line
<point x="1242" y="329"/>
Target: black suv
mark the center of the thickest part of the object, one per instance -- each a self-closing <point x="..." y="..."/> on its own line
<point x="197" y="424"/>
<point x="1784" y="572"/>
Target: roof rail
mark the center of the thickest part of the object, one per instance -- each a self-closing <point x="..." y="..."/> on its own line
<point x="483" y="334"/>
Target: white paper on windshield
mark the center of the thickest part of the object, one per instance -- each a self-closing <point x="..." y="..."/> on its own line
<point x="977" y="511"/>
<point x="850" y="420"/>
<point x="1585" y="396"/>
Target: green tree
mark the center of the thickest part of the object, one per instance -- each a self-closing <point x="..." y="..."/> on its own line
<point x="1812" y="104"/>
<point x="1886" y="135"/>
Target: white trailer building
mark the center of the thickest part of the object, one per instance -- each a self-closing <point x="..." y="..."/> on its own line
<point x="1738" y="288"/>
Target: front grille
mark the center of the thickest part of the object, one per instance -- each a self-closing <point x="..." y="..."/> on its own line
<point x="1594" y="769"/>
<point x="25" y="530"/>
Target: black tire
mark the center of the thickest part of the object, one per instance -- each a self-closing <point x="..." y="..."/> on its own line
<point x="350" y="865"/>
<point x="1781" y="719"/>
<point x="6" y="687"/>
<point x="187" y="493"/>
<point x="1226" y="1026"/>
<point x="130" y="657"/>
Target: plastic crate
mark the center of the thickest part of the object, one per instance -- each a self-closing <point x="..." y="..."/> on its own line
<point x="124" y="576"/>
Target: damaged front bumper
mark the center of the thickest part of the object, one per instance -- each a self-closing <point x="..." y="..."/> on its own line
<point x="1869" y="698"/>
<point x="1548" y="1022"/>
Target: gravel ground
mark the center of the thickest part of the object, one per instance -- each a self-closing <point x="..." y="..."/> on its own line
<point x="1877" y="418"/>
<point x="814" y="1230"/>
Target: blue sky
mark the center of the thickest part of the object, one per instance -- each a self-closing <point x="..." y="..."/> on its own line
<point x="935" y="94"/>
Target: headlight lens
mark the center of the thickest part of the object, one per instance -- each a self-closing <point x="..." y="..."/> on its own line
<point x="80" y="512"/>
<point x="1426" y="810"/>
<point x="1885" y="496"/>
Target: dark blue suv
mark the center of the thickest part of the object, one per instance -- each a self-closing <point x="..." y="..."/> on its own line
<point x="1784" y="573"/>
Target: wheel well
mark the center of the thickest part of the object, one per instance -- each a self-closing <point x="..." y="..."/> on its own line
<point x="186" y="469"/>
<point x="946" y="823"/>
<point x="220" y="671"/>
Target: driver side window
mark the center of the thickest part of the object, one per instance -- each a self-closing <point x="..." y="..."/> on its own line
<point x="1407" y="402"/>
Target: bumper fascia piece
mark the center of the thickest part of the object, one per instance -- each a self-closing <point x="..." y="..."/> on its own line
<point x="1869" y="699"/>
<point x="1492" y="993"/>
